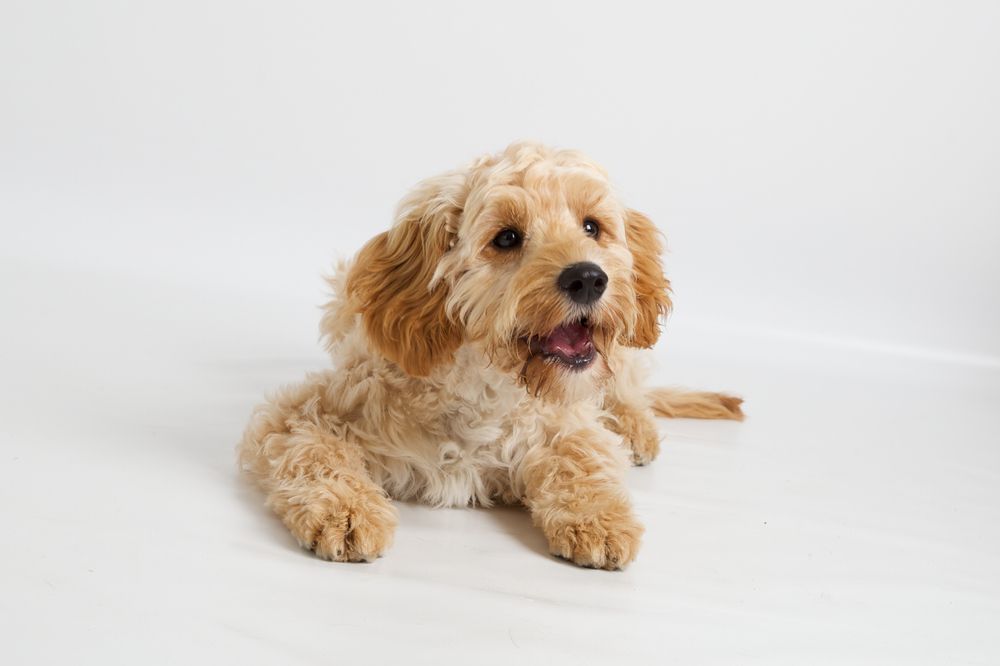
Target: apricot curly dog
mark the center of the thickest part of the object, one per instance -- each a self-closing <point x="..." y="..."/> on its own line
<point x="485" y="349"/>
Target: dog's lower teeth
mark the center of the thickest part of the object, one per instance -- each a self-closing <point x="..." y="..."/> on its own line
<point x="572" y="362"/>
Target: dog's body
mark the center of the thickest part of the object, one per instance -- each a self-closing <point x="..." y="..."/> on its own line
<point x="485" y="351"/>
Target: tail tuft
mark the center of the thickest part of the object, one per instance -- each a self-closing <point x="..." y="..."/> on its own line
<point x="680" y="404"/>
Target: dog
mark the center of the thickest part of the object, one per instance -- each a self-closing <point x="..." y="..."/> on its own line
<point x="486" y="349"/>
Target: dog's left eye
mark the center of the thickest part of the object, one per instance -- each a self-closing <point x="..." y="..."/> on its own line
<point x="591" y="227"/>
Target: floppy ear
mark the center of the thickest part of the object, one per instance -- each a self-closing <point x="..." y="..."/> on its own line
<point x="652" y="289"/>
<point x="390" y="281"/>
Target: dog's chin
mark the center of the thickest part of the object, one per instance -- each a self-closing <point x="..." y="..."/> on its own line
<point x="565" y="364"/>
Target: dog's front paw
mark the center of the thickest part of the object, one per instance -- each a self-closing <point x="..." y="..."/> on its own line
<point x="607" y="540"/>
<point x="343" y="524"/>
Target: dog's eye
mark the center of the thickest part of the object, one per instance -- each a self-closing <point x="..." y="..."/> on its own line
<point x="591" y="227"/>
<point x="507" y="239"/>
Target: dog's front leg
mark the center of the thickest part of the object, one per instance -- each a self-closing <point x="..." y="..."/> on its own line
<point x="574" y="487"/>
<point x="317" y="482"/>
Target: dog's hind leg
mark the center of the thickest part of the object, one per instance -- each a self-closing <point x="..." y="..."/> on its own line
<point x="630" y="407"/>
<point x="317" y="482"/>
<point x="634" y="422"/>
<point x="677" y="403"/>
<point x="629" y="410"/>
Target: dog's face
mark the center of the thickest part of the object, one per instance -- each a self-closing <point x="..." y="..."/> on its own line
<point x="529" y="256"/>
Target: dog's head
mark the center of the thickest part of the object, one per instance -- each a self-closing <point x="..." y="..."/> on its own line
<point x="529" y="256"/>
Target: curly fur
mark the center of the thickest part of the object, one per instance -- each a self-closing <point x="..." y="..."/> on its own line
<point x="436" y="392"/>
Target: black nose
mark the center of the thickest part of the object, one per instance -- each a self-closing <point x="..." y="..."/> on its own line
<point x="584" y="282"/>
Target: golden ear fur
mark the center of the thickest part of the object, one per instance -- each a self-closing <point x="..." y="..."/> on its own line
<point x="390" y="280"/>
<point x="652" y="289"/>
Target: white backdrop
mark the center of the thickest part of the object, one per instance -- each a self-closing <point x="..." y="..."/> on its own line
<point x="821" y="170"/>
<point x="176" y="175"/>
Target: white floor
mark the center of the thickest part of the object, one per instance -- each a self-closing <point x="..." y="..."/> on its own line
<point x="853" y="518"/>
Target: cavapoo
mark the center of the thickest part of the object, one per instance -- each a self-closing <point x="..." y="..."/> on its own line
<point x="485" y="349"/>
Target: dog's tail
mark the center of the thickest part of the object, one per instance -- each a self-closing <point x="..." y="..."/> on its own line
<point x="678" y="403"/>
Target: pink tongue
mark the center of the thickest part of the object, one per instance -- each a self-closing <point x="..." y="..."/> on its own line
<point x="568" y="340"/>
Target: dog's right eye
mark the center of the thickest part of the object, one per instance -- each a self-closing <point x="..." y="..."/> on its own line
<point x="507" y="239"/>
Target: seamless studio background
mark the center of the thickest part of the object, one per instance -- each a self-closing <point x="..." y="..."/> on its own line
<point x="175" y="178"/>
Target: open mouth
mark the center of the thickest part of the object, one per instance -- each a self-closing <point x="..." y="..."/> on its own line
<point x="570" y="345"/>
